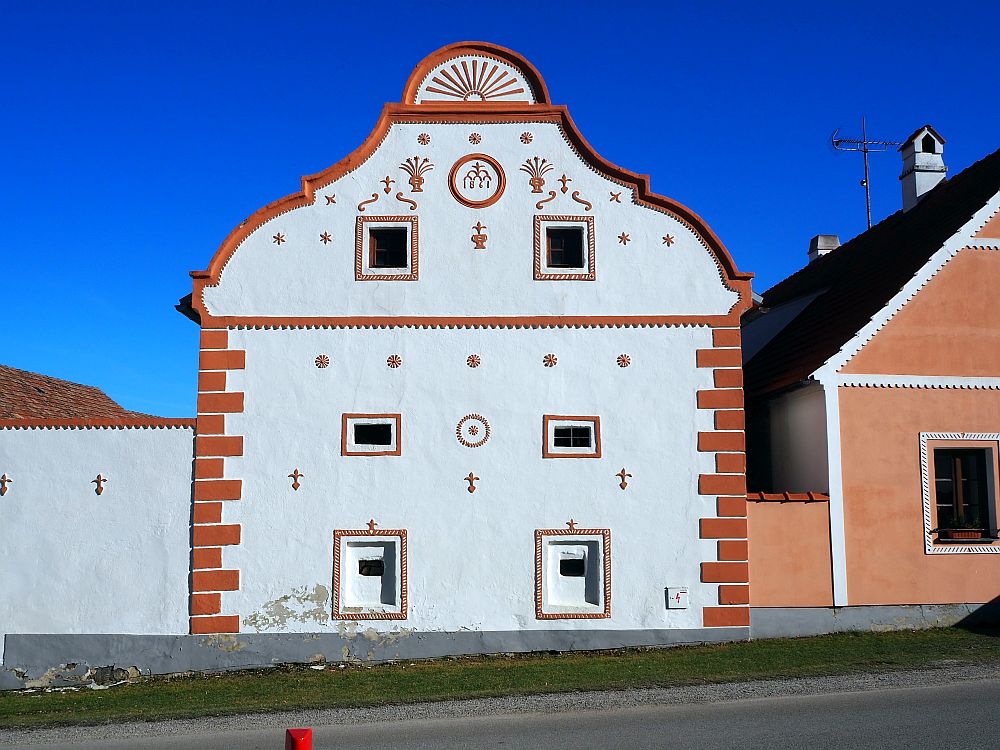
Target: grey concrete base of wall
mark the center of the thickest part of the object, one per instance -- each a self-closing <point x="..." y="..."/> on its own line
<point x="790" y="622"/>
<point x="65" y="660"/>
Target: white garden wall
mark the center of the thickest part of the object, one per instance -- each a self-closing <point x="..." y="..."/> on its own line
<point x="73" y="561"/>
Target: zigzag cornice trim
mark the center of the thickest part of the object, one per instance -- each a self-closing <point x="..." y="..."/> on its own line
<point x="934" y="382"/>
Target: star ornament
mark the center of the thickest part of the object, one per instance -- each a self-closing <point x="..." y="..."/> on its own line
<point x="278" y="238"/>
<point x="325" y="238"/>
<point x="331" y="199"/>
<point x="624" y="238"/>
<point x="615" y="197"/>
<point x="668" y="240"/>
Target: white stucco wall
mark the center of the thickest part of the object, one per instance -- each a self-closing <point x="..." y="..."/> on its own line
<point x="798" y="441"/>
<point x="471" y="556"/>
<point x="72" y="561"/>
<point x="304" y="277"/>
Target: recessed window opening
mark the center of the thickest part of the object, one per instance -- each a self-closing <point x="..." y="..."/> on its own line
<point x="388" y="247"/>
<point x="961" y="489"/>
<point x="373" y="434"/>
<point x="371" y="567"/>
<point x="564" y="247"/>
<point x="572" y="436"/>
<point x="572" y="567"/>
<point x="927" y="144"/>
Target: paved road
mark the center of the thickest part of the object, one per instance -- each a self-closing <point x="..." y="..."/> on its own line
<point x="961" y="714"/>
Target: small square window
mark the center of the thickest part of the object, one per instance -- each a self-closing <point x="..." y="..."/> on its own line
<point x="565" y="247"/>
<point x="388" y="247"/>
<point x="571" y="437"/>
<point x="371" y="435"/>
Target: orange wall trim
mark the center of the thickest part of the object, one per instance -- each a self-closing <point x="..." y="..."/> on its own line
<point x="734" y="594"/>
<point x="212" y="487"/>
<point x="721" y="617"/>
<point x="206" y="604"/>
<point x="218" y="489"/>
<point x="728" y="444"/>
<point x="719" y="358"/>
<point x="219" y="624"/>
<point x="205" y="557"/>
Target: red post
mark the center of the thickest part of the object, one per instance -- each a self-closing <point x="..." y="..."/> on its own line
<point x="298" y="739"/>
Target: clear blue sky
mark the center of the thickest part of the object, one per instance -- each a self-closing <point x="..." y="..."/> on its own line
<point x="136" y="135"/>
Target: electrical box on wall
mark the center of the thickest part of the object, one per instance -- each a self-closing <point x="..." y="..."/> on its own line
<point x="677" y="597"/>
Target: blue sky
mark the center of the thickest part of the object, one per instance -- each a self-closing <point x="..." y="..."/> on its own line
<point x="137" y="135"/>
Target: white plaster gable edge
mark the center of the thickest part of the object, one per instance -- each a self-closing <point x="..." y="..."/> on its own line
<point x="918" y="381"/>
<point x="925" y="488"/>
<point x="451" y="323"/>
<point x="963" y="238"/>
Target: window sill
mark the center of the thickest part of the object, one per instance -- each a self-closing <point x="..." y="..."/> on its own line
<point x="977" y="540"/>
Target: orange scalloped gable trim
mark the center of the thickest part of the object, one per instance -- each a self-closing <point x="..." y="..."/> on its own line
<point x="82" y="424"/>
<point x="474" y="113"/>
<point x="425" y="67"/>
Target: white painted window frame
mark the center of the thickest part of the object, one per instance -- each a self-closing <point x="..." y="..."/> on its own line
<point x="927" y="492"/>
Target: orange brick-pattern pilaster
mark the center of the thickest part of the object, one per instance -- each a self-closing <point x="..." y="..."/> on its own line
<point x="724" y="490"/>
<point x="213" y="487"/>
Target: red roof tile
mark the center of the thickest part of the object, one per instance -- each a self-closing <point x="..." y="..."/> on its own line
<point x="30" y="395"/>
<point x="852" y="283"/>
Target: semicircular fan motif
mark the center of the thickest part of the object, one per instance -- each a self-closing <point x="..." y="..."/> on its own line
<point x="475" y="81"/>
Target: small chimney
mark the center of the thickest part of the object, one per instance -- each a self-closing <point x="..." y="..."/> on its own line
<point x="923" y="165"/>
<point x="822" y="244"/>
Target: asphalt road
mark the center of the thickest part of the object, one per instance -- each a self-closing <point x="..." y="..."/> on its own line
<point x="962" y="714"/>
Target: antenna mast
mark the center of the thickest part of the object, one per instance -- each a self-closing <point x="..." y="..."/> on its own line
<point x="866" y="147"/>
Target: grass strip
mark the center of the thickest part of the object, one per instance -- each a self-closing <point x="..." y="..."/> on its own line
<point x="302" y="688"/>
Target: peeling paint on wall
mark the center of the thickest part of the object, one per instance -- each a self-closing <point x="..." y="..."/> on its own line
<point x="301" y="605"/>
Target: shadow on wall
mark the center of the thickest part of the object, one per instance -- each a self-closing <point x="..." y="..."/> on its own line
<point x="985" y="620"/>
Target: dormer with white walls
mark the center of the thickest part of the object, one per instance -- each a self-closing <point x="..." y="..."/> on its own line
<point x="923" y="164"/>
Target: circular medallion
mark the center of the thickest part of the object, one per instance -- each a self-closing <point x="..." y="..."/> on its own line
<point x="473" y="430"/>
<point x="477" y="180"/>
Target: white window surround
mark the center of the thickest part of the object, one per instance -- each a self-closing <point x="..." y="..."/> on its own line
<point x="549" y="424"/>
<point x="348" y="446"/>
<point x="358" y="597"/>
<point x="572" y="597"/>
<point x="937" y="438"/>
<point x="363" y="270"/>
<point x="542" y="270"/>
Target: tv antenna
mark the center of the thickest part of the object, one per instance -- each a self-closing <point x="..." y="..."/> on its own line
<point x="866" y="147"/>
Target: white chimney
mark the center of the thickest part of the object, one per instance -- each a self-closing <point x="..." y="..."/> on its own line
<point x="822" y="244"/>
<point x="923" y="165"/>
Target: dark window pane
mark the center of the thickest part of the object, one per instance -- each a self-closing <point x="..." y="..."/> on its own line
<point x="575" y="436"/>
<point x="371" y="567"/>
<point x="373" y="434"/>
<point x="388" y="247"/>
<point x="571" y="567"/>
<point x="565" y="247"/>
<point x="927" y="144"/>
<point x="960" y="488"/>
